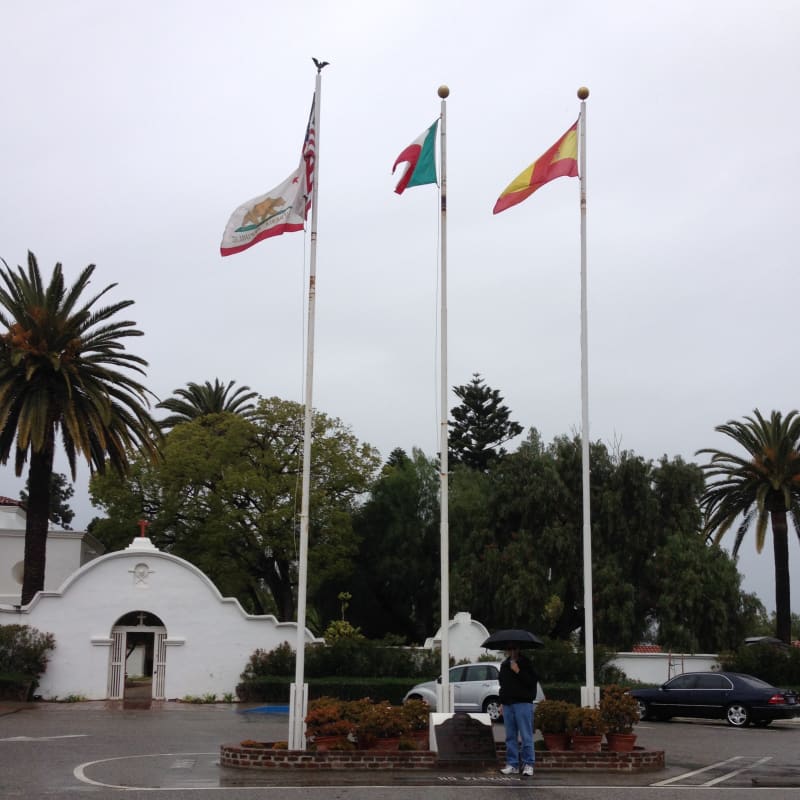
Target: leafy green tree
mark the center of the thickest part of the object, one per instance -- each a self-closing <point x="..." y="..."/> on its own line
<point x="760" y="487"/>
<point x="699" y="604"/>
<point x="480" y="424"/>
<point x="519" y="564"/>
<point x="61" y="370"/>
<point x="60" y="493"/>
<point x="396" y="571"/>
<point x="227" y="495"/>
<point x="197" y="400"/>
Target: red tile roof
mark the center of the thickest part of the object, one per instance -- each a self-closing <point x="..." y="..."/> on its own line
<point x="646" y="648"/>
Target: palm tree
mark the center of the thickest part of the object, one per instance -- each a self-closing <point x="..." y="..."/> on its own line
<point x="196" y="401"/>
<point x="763" y="486"/>
<point x="60" y="360"/>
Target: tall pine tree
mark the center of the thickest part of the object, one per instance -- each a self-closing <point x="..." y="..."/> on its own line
<point x="479" y="425"/>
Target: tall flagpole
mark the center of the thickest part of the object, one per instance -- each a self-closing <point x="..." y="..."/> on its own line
<point x="444" y="704"/>
<point x="298" y="699"/>
<point x="588" y="625"/>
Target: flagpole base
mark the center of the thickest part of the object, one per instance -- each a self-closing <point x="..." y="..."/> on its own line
<point x="298" y="708"/>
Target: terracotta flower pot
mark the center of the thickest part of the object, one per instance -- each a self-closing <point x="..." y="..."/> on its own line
<point x="556" y="741"/>
<point x="386" y="743"/>
<point x="621" y="742"/>
<point x="324" y="743"/>
<point x="422" y="738"/>
<point x="582" y="743"/>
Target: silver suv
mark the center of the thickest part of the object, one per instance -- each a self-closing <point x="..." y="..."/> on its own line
<point x="476" y="688"/>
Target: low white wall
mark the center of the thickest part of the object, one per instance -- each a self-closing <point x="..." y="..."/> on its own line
<point x="660" y="667"/>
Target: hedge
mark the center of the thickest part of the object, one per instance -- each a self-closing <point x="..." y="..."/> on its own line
<point x="275" y="688"/>
<point x="16" y="686"/>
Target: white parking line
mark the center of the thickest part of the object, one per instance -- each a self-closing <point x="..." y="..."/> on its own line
<point x="44" y="738"/>
<point x="719" y="779"/>
<point x="686" y="775"/>
<point x="737" y="771"/>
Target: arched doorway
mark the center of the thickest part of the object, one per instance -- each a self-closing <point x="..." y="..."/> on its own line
<point x="138" y="658"/>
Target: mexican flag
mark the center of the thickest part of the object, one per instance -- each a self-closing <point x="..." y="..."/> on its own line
<point x="421" y="158"/>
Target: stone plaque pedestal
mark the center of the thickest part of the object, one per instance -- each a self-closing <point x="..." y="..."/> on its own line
<point x="463" y="741"/>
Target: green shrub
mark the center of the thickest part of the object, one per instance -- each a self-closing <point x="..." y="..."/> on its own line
<point x="619" y="710"/>
<point x="346" y="658"/>
<point x="777" y="665"/>
<point x="279" y="661"/>
<point x="347" y="667"/>
<point x="275" y="689"/>
<point x="23" y="651"/>
<point x="552" y="716"/>
<point x="342" y="629"/>
<point x="560" y="661"/>
<point x="14" y="686"/>
<point x="586" y="721"/>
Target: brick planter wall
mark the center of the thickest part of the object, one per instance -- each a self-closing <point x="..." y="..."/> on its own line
<point x="262" y="758"/>
<point x="266" y="758"/>
<point x="638" y="760"/>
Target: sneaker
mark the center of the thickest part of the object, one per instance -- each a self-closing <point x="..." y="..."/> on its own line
<point x="527" y="771"/>
<point x="509" y="770"/>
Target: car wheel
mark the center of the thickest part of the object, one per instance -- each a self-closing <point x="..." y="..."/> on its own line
<point x="491" y="706"/>
<point x="737" y="715"/>
<point x="644" y="710"/>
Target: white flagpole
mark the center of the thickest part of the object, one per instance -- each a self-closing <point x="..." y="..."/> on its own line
<point x="588" y="625"/>
<point x="444" y="701"/>
<point x="298" y="696"/>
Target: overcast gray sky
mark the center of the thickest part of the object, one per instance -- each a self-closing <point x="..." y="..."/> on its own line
<point x="131" y="131"/>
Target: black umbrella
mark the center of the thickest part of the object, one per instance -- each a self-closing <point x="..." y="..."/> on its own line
<point x="503" y="640"/>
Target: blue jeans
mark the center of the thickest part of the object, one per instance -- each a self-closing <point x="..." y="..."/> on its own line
<point x="518" y="721"/>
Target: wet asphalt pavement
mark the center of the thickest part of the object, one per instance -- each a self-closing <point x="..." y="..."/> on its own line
<point x="96" y="748"/>
<point x="56" y="751"/>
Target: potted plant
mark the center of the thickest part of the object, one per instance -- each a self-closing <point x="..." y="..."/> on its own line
<point x="620" y="712"/>
<point x="417" y="716"/>
<point x="329" y="726"/>
<point x="551" y="719"/>
<point x="381" y="726"/>
<point x="587" y="729"/>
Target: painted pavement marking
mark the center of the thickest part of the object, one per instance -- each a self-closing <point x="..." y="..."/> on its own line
<point x="43" y="738"/>
<point x="751" y="762"/>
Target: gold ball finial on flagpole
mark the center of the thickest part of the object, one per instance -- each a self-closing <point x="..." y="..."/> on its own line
<point x="583" y="93"/>
<point x="444" y="92"/>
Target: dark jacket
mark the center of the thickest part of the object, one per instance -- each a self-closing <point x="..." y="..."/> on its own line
<point x="518" y="687"/>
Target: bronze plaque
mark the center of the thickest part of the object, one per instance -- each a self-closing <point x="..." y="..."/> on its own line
<point x="465" y="740"/>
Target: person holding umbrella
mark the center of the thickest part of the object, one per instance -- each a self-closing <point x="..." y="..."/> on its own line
<point x="518" y="684"/>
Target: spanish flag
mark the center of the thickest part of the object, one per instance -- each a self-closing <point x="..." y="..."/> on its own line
<point x="561" y="160"/>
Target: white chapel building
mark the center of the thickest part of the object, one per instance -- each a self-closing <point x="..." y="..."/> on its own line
<point x="137" y="611"/>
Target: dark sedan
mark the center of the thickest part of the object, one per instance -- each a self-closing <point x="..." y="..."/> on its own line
<point x="740" y="699"/>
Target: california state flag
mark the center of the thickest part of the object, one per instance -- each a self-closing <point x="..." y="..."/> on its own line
<point x="281" y="210"/>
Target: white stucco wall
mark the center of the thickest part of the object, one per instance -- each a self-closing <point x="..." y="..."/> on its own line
<point x="660" y="667"/>
<point x="66" y="552"/>
<point x="464" y="637"/>
<point x="209" y="638"/>
<point x="12" y="549"/>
